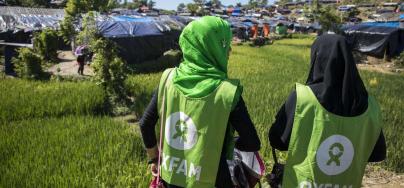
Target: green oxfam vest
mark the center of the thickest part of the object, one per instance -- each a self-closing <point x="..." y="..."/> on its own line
<point x="194" y="133"/>
<point x="327" y="150"/>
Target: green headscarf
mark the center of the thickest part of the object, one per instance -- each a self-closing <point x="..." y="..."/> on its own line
<point x="205" y="44"/>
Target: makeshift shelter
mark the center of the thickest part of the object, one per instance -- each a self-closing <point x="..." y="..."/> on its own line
<point x="141" y="39"/>
<point x="376" y="39"/>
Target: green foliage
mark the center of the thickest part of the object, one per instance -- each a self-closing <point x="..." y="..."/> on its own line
<point x="181" y="7"/>
<point x="46" y="45"/>
<point x="151" y="4"/>
<point x="192" y="8"/>
<point x="28" y="64"/>
<point x="88" y="35"/>
<point x="22" y="99"/>
<point x="72" y="151"/>
<point x="67" y="31"/>
<point x="75" y="7"/>
<point x="110" y="72"/>
<point x="329" y="20"/>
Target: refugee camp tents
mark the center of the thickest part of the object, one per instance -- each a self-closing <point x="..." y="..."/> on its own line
<point x="141" y="39"/>
<point x="376" y="39"/>
<point x="22" y="18"/>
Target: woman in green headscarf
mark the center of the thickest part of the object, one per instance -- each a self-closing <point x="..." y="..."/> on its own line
<point x="196" y="103"/>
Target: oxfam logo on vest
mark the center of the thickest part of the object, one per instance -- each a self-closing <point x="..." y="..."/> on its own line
<point x="180" y="132"/>
<point x="335" y="154"/>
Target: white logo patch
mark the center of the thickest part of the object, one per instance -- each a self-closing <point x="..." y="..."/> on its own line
<point x="180" y="132"/>
<point x="335" y="154"/>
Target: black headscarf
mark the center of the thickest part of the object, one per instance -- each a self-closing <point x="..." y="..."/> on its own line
<point x="334" y="77"/>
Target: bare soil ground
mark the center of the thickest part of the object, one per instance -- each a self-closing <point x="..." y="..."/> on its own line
<point x="377" y="65"/>
<point x="386" y="68"/>
<point x="376" y="177"/>
<point x="68" y="65"/>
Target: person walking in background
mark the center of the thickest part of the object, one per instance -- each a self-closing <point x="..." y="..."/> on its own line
<point x="80" y="63"/>
<point x="199" y="107"/>
<point x="331" y="127"/>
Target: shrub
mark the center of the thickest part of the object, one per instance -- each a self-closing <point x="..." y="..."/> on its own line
<point x="110" y="72"/>
<point x="329" y="20"/>
<point x="46" y="44"/>
<point x="88" y="35"/>
<point x="67" y="30"/>
<point x="28" y="64"/>
<point x="399" y="61"/>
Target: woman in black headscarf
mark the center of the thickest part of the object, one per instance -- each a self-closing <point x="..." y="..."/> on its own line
<point x="336" y="83"/>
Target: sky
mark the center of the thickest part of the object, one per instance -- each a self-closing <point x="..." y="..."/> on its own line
<point x="172" y="4"/>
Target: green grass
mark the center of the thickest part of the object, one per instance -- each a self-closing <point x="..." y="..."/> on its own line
<point x="53" y="134"/>
<point x="21" y="99"/>
<point x="73" y="151"/>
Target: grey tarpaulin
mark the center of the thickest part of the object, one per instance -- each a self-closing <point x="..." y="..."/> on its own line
<point x="376" y="40"/>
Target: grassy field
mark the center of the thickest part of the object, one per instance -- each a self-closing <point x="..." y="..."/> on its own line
<point x="55" y="134"/>
<point x="22" y="99"/>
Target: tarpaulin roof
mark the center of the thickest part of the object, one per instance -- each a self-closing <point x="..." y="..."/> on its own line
<point x="17" y="18"/>
<point x="129" y="26"/>
<point x="383" y="24"/>
<point x="376" y="40"/>
<point x="131" y="29"/>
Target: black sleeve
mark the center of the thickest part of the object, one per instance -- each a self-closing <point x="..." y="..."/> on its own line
<point x="240" y="120"/>
<point x="281" y="129"/>
<point x="148" y="122"/>
<point x="379" y="151"/>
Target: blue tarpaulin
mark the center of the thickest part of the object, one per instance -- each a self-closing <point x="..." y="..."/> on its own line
<point x="131" y="28"/>
<point x="132" y="19"/>
<point x="383" y="24"/>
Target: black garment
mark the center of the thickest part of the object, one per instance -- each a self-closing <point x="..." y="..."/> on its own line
<point x="239" y="119"/>
<point x="335" y="81"/>
<point x="81" y="69"/>
<point x="80" y="62"/>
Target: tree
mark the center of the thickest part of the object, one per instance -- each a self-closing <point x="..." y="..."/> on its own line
<point x="151" y="4"/>
<point x="329" y="20"/>
<point x="216" y="3"/>
<point x="181" y="7"/>
<point x="192" y="8"/>
<point x="74" y="7"/>
<point x="252" y="4"/>
<point x="263" y="3"/>
<point x="239" y="4"/>
<point x="143" y="2"/>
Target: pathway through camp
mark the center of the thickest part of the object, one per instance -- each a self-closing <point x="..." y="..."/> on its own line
<point x="68" y="65"/>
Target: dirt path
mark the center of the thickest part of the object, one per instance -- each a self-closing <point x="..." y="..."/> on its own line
<point x="377" y="177"/>
<point x="386" y="68"/>
<point x="68" y="65"/>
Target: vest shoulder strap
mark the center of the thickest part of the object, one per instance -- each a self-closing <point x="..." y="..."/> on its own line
<point x="163" y="81"/>
<point x="305" y="98"/>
